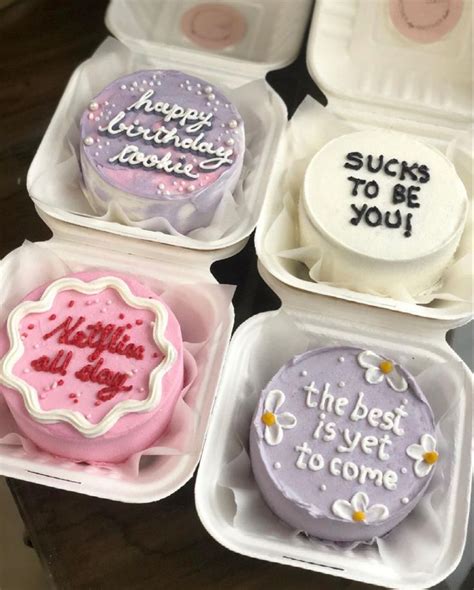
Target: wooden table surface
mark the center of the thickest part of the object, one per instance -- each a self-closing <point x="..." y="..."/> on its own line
<point x="84" y="542"/>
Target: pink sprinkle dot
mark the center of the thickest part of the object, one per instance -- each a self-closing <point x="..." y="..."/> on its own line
<point x="61" y="382"/>
<point x="97" y="403"/>
<point x="139" y="322"/>
<point x="121" y="316"/>
<point x="52" y="316"/>
<point x="72" y="395"/>
<point x="71" y="303"/>
<point x="31" y="326"/>
<point x="76" y="401"/>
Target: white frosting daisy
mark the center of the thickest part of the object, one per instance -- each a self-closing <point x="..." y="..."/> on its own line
<point x="276" y="422"/>
<point x="358" y="509"/>
<point x="379" y="368"/>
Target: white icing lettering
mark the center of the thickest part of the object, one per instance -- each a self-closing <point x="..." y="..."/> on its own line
<point x="316" y="462"/>
<point x="303" y="451"/>
<point x="368" y="443"/>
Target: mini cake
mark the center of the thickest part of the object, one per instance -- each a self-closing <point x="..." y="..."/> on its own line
<point x="93" y="368"/>
<point x="342" y="444"/>
<point x="385" y="212"/>
<point x="161" y="144"/>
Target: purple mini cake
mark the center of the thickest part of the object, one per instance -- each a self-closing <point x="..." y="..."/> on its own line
<point x="161" y="144"/>
<point x="342" y="444"/>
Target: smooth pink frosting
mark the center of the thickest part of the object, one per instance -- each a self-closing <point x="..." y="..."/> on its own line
<point x="127" y="378"/>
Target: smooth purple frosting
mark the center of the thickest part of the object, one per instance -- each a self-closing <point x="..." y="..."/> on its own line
<point x="312" y="499"/>
<point x="161" y="143"/>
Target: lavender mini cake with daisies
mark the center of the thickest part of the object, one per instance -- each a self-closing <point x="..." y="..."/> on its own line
<point x="342" y="444"/>
<point x="161" y="144"/>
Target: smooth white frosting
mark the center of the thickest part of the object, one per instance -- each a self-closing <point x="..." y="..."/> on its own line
<point x="378" y="258"/>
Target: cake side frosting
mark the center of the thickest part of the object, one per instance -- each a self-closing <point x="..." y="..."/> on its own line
<point x="342" y="444"/>
<point x="161" y="143"/>
<point x="92" y="357"/>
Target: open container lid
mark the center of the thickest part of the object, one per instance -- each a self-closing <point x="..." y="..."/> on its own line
<point x="268" y="33"/>
<point x="367" y="68"/>
<point x="149" y="36"/>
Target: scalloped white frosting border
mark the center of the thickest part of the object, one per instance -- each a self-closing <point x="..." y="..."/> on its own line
<point x="75" y="418"/>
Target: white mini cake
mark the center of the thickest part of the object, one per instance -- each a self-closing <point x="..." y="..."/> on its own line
<point x="386" y="212"/>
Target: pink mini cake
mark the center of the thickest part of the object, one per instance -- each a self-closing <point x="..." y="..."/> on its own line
<point x="93" y="368"/>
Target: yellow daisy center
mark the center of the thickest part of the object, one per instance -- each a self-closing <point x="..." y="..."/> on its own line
<point x="269" y="418"/>
<point x="386" y="367"/>
<point x="430" y="457"/>
<point x="358" y="516"/>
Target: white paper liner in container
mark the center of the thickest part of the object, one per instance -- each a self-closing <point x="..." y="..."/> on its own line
<point x="202" y="312"/>
<point x="278" y="243"/>
<point x="425" y="547"/>
<point x="55" y="182"/>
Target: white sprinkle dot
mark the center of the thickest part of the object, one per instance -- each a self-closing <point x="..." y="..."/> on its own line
<point x="405" y="500"/>
<point x="341" y="384"/>
<point x="36" y="346"/>
<point x="88" y="416"/>
<point x="191" y="188"/>
<point x="341" y="359"/>
<point x="134" y="371"/>
<point x="404" y="470"/>
<point x="93" y="106"/>
<point x="230" y="141"/>
<point x="304" y="373"/>
<point x="405" y="401"/>
<point x="322" y="415"/>
<point x="323" y="487"/>
<point x="161" y="186"/>
<point x="26" y="370"/>
<point x="211" y="96"/>
<point x="199" y="93"/>
<point x="277" y="465"/>
<point x="208" y="89"/>
<point x="88" y="140"/>
<point x="142" y="389"/>
<point x="233" y="123"/>
<point x="90" y="116"/>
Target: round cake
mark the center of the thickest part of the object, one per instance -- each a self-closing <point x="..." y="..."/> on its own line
<point x="161" y="144"/>
<point x="342" y="444"/>
<point x="384" y="211"/>
<point x="93" y="368"/>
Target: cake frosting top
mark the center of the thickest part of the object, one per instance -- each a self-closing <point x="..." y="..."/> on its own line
<point x="346" y="434"/>
<point x="88" y="351"/>
<point x="384" y="195"/>
<point x="162" y="134"/>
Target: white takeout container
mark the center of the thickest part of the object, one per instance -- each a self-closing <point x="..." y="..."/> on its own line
<point x="78" y="248"/>
<point x="78" y="237"/>
<point x="149" y="36"/>
<point x="327" y="321"/>
<point x="329" y="316"/>
<point x="373" y="77"/>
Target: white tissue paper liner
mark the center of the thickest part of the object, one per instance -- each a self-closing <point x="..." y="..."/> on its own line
<point x="56" y="177"/>
<point x="199" y="320"/>
<point x="311" y="127"/>
<point x="422" y="533"/>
